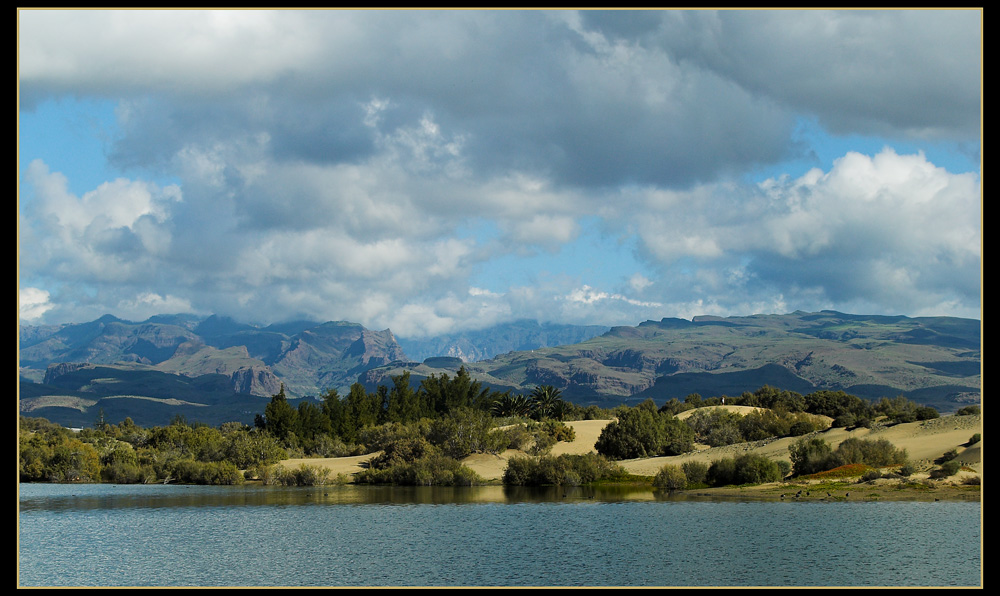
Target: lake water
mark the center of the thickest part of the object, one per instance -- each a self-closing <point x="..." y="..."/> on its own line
<point x="156" y="535"/>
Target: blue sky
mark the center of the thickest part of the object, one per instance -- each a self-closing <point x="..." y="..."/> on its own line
<point x="435" y="171"/>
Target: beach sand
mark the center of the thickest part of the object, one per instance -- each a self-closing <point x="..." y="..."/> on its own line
<point x="924" y="442"/>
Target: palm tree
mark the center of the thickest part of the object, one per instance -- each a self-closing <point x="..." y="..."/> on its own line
<point x="547" y="401"/>
<point x="508" y="405"/>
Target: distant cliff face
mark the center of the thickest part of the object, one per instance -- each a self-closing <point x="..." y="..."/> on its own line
<point x="306" y="357"/>
<point x="483" y="344"/>
<point x="256" y="381"/>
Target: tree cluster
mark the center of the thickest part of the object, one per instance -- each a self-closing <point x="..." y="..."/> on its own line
<point x="126" y="453"/>
<point x="811" y="455"/>
<point x="847" y="410"/>
<point x="644" y="432"/>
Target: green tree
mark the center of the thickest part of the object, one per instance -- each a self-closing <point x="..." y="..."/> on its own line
<point x="445" y="394"/>
<point x="510" y="406"/>
<point x="362" y="409"/>
<point x="311" y="424"/>
<point x="404" y="403"/>
<point x="335" y="410"/>
<point x="280" y="418"/>
<point x="545" y="400"/>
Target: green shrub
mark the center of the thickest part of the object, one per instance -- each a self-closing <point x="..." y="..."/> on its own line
<point x="749" y="468"/>
<point x="968" y="411"/>
<point x="517" y="436"/>
<point x="784" y="467"/>
<point x="639" y="432"/>
<point x="724" y="434"/>
<point x="948" y="468"/>
<point x="189" y="471"/>
<point x="811" y="455"/>
<point x="764" y="424"/>
<point x="402" y="450"/>
<point x="975" y="439"/>
<point x="871" y="475"/>
<point x="845" y="420"/>
<point x="306" y="475"/>
<point x="797" y="429"/>
<point x="561" y="470"/>
<point x="670" y="477"/>
<point x="721" y="472"/>
<point x="872" y="452"/>
<point x="947" y="456"/>
<point x="127" y="473"/>
<point x="695" y="471"/>
<point x="752" y="468"/>
<point x="431" y="469"/>
<point x="464" y="431"/>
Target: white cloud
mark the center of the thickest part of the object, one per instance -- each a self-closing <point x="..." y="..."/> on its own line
<point x="32" y="303"/>
<point x="893" y="229"/>
<point x="639" y="282"/>
<point x="588" y="295"/>
<point x="146" y="304"/>
<point x="328" y="159"/>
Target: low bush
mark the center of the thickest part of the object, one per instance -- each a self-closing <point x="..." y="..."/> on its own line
<point x="639" y="432"/>
<point x="871" y="475"/>
<point x="189" y="471"/>
<point x="402" y="450"/>
<point x="670" y="477"/>
<point x="695" y="472"/>
<point x="813" y="455"/>
<point x="948" y="468"/>
<point x="517" y="436"/>
<point x="432" y="469"/>
<point x="561" y="470"/>
<point x="126" y="473"/>
<point x="947" y="456"/>
<point x="784" y="467"/>
<point x="749" y="468"/>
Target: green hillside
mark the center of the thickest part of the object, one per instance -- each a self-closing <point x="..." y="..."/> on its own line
<point x="934" y="360"/>
<point x="210" y="369"/>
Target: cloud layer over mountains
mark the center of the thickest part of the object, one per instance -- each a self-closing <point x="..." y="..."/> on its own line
<point x="429" y="171"/>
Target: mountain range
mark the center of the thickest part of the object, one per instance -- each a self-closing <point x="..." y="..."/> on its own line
<point x="215" y="369"/>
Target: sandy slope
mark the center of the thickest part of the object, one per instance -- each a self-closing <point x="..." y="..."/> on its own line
<point x="923" y="441"/>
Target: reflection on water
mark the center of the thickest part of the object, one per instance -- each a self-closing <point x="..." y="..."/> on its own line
<point x="156" y="535"/>
<point x="54" y="497"/>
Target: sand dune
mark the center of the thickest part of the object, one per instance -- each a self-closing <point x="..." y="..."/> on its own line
<point x="923" y="441"/>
